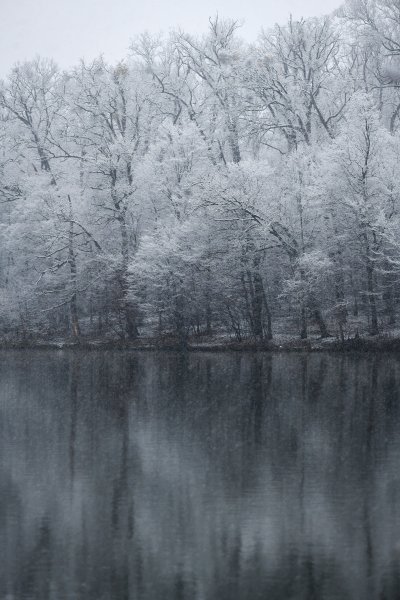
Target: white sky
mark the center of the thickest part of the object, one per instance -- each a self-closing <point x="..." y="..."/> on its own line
<point x="67" y="30"/>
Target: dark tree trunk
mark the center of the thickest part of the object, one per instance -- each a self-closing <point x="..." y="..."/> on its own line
<point x="269" y="334"/>
<point x="303" y="323"/>
<point x="247" y="301"/>
<point x="355" y="297"/>
<point x="389" y="297"/>
<point x="75" y="328"/>
<point x="179" y="317"/>
<point x="371" y="297"/>
<point x="208" y="318"/>
<point x="257" y="306"/>
<point x="321" y="323"/>
<point x="127" y="308"/>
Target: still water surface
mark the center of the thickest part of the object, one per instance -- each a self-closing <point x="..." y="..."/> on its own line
<point x="208" y="477"/>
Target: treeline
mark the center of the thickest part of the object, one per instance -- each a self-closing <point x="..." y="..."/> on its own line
<point x="208" y="186"/>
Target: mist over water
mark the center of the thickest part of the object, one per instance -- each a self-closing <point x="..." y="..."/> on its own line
<point x="230" y="476"/>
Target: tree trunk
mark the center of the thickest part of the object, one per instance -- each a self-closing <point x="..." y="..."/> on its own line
<point x="321" y="323"/>
<point x="180" y="325"/>
<point x="208" y="305"/>
<point x="257" y="306"/>
<point x="389" y="297"/>
<point x="371" y="297"/>
<point x="75" y="329"/>
<point x="303" y="314"/>
<point x="128" y="310"/>
<point x="234" y="141"/>
<point x="247" y="301"/>
<point x="269" y="318"/>
<point x="355" y="297"/>
<point x="208" y="318"/>
<point x="303" y="323"/>
<point x="74" y="317"/>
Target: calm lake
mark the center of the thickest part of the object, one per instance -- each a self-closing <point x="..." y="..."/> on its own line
<point x="200" y="477"/>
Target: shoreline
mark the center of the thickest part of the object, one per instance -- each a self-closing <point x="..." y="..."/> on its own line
<point x="382" y="343"/>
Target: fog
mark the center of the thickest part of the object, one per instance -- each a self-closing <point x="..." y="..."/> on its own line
<point x="67" y="30"/>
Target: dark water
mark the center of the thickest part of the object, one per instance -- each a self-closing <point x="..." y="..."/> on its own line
<point x="211" y="477"/>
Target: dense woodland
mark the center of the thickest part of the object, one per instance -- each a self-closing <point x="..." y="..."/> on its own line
<point x="207" y="186"/>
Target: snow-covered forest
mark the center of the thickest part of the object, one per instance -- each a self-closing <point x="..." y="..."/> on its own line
<point x="207" y="185"/>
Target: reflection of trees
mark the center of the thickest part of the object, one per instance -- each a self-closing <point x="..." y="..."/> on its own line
<point x="229" y="477"/>
<point x="36" y="573"/>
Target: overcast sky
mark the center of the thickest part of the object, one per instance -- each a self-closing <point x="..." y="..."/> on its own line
<point x="67" y="30"/>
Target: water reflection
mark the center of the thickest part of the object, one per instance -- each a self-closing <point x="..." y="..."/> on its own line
<point x="161" y="476"/>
